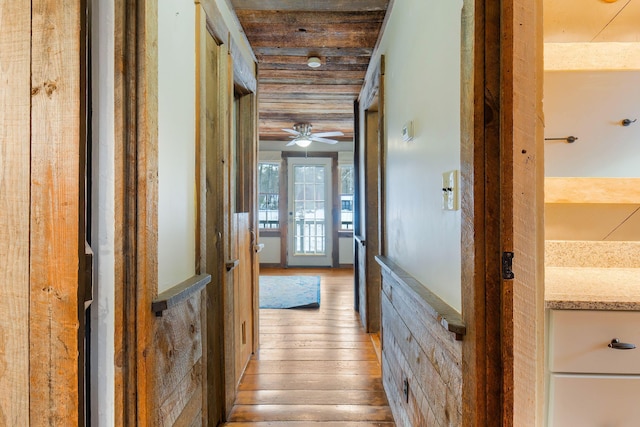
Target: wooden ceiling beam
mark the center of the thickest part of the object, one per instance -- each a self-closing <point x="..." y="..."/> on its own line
<point x="303" y="66"/>
<point x="251" y="18"/>
<point x="296" y="117"/>
<point x="292" y="97"/>
<point x="266" y="88"/>
<point x="294" y="61"/>
<point x="310" y="50"/>
<point x="311" y="80"/>
<point x="339" y="36"/>
<point x="309" y="73"/>
<point x="317" y="108"/>
<point x="311" y="5"/>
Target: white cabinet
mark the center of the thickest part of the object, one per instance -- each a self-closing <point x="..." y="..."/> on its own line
<point x="591" y="383"/>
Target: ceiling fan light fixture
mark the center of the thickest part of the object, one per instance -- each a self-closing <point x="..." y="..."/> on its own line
<point x="303" y="142"/>
<point x="314" y="62"/>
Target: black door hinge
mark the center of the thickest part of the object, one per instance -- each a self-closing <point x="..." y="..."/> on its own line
<point x="507" y="258"/>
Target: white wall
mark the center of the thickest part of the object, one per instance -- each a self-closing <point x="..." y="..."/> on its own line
<point x="271" y="252"/>
<point x="422" y="83"/>
<point x="591" y="106"/>
<point x="176" y="142"/>
<point x="103" y="221"/>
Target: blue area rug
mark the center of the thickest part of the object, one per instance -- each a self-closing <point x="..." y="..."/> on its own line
<point x="289" y="291"/>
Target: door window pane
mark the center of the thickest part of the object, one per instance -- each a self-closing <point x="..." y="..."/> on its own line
<point x="309" y="230"/>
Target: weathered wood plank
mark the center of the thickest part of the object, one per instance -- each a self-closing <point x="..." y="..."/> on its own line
<point x="15" y="132"/>
<point x="310" y="79"/>
<point x="317" y="354"/>
<point x="300" y="19"/>
<point x="441" y="392"/>
<point x="55" y="212"/>
<point x="341" y="107"/>
<point x="315" y="424"/>
<point x="307" y="397"/>
<point x="309" y="73"/>
<point x="341" y="36"/>
<point x="329" y="63"/>
<point x="438" y="345"/>
<point x="311" y="413"/>
<point x="528" y="213"/>
<point x="266" y="51"/>
<point x="292" y="117"/>
<point x="310" y="5"/>
<point x="306" y="382"/>
<point x="275" y="88"/>
<point x="356" y="367"/>
<point x="178" y="345"/>
<point x="182" y="405"/>
<point x="411" y="409"/>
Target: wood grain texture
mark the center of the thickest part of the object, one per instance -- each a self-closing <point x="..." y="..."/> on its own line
<point x="335" y="383"/>
<point x="243" y="296"/>
<point x="416" y="348"/>
<point x="146" y="208"/>
<point x="310" y="5"/>
<point x="284" y="34"/>
<point x="136" y="209"/>
<point x="211" y="133"/>
<point x="370" y="276"/>
<point x="179" y="351"/>
<point x="501" y="173"/>
<point x="15" y="141"/>
<point x="528" y="214"/>
<point x="55" y="213"/>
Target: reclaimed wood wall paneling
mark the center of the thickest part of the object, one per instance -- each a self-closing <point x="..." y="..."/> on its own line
<point x="55" y="212"/>
<point x="15" y="152"/>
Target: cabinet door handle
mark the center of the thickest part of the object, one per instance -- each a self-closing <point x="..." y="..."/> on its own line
<point x="617" y="345"/>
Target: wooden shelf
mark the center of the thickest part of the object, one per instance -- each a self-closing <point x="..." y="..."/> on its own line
<point x="178" y="293"/>
<point x="592" y="190"/>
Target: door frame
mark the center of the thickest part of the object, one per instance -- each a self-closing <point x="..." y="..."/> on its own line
<point x="284" y="202"/>
<point x="369" y="231"/>
<point x="502" y="211"/>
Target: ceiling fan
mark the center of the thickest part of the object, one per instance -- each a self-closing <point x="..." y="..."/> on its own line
<point x="303" y="136"/>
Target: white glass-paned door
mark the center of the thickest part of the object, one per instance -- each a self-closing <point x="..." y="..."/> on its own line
<point x="310" y="225"/>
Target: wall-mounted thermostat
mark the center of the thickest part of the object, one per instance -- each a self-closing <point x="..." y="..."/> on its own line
<point x="407" y="131"/>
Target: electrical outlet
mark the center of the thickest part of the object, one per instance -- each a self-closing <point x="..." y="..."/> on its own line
<point x="450" y="190"/>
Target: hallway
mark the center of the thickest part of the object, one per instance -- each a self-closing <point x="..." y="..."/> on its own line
<point x="315" y="366"/>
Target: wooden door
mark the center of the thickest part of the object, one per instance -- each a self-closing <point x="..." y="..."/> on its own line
<point x="367" y="242"/>
<point x="243" y="295"/>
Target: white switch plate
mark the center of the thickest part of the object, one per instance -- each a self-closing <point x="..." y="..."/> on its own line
<point x="450" y="191"/>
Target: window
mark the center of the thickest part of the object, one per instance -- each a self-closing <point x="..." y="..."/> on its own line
<point x="268" y="195"/>
<point x="346" y="197"/>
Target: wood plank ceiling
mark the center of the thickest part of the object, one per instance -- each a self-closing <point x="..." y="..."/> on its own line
<point x="284" y="34"/>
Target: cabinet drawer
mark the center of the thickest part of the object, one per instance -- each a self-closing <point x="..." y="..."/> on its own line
<point x="578" y="341"/>
<point x="590" y="400"/>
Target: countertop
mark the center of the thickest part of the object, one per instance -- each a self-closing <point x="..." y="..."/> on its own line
<point x="592" y="288"/>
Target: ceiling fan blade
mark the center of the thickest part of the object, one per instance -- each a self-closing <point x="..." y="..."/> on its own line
<point x="323" y="134"/>
<point x="292" y="142"/>
<point x="325" y="140"/>
<point x="291" y="131"/>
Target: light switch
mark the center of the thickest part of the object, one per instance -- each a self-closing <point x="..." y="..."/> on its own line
<point x="450" y="190"/>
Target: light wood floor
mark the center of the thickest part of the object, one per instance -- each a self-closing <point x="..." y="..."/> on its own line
<point x="315" y="368"/>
